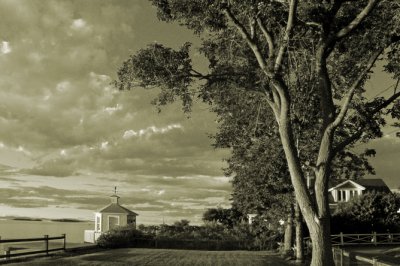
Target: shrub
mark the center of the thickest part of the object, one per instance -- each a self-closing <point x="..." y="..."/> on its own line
<point x="374" y="211"/>
<point x="120" y="237"/>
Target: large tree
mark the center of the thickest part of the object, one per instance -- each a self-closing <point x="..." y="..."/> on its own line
<point x="261" y="182"/>
<point x="270" y="47"/>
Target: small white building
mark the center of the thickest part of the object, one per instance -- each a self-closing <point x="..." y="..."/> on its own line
<point x="110" y="217"/>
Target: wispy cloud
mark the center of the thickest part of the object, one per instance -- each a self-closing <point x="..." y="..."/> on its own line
<point x="150" y="130"/>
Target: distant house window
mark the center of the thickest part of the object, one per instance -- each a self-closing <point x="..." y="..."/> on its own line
<point x="341" y="195"/>
<point x="97" y="223"/>
<point x="353" y="193"/>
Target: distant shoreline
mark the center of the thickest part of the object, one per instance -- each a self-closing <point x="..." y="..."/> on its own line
<point x="30" y="219"/>
<point x="68" y="220"/>
<point x="27" y="219"/>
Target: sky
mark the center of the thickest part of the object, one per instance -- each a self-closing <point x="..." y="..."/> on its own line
<point x="67" y="136"/>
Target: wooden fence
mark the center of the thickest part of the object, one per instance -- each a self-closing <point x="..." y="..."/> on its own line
<point x="361" y="239"/>
<point x="45" y="240"/>
<point x="365" y="239"/>
<point x="347" y="258"/>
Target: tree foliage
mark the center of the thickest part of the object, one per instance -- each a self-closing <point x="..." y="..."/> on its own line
<point x="371" y="212"/>
<point x="226" y="217"/>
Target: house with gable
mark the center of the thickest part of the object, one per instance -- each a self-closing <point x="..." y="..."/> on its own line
<point x="110" y="217"/>
<point x="344" y="190"/>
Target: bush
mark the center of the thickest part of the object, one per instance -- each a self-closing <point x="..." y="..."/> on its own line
<point x="210" y="236"/>
<point x="371" y="212"/>
<point x="120" y="237"/>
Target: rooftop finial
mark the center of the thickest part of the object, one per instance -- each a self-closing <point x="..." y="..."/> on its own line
<point x="114" y="198"/>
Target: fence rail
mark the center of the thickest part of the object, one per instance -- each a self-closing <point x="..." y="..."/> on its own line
<point x="8" y="250"/>
<point x="365" y="239"/>
<point x="362" y="239"/>
<point x="343" y="258"/>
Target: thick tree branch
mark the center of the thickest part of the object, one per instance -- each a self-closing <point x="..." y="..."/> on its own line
<point x="277" y="100"/>
<point x="324" y="85"/>
<point x="286" y="132"/>
<point x="348" y="141"/>
<point x="325" y="153"/>
<point x="252" y="44"/>
<point x="358" y="133"/>
<point x="345" y="106"/>
<point x="252" y="28"/>
<point x="288" y="33"/>
<point x="357" y="20"/>
<point x="268" y="38"/>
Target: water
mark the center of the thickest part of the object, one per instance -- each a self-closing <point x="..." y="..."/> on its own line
<point x="27" y="229"/>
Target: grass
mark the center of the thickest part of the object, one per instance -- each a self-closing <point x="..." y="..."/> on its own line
<point x="162" y="257"/>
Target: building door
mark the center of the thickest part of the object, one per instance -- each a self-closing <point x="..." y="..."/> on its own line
<point x="113" y="221"/>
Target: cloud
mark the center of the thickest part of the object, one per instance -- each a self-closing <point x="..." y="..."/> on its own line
<point x="63" y="125"/>
<point x="79" y="24"/>
<point x="5" y="47"/>
<point x="111" y="110"/>
<point x="150" y="130"/>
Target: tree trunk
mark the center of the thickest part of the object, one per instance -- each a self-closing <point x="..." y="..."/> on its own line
<point x="299" y="234"/>
<point x="321" y="244"/>
<point x="317" y="224"/>
<point x="288" y="238"/>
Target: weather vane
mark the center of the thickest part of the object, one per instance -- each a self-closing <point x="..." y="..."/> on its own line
<point x="115" y="190"/>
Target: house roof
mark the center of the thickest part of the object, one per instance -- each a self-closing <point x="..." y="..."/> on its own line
<point x="348" y="184"/>
<point x="116" y="208"/>
<point x="376" y="184"/>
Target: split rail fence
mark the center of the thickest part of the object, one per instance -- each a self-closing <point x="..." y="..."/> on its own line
<point x="365" y="239"/>
<point x="361" y="239"/>
<point x="345" y="257"/>
<point x="11" y="251"/>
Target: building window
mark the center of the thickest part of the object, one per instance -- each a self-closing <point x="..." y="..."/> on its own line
<point x="131" y="220"/>
<point x="97" y="223"/>
<point x="344" y="195"/>
<point x="341" y="195"/>
<point x="113" y="221"/>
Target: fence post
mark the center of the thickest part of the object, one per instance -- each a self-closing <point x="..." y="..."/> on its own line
<point x="46" y="243"/>
<point x="341" y="257"/>
<point x="341" y="238"/>
<point x="374" y="240"/>
<point x="65" y="241"/>
<point x="7" y="253"/>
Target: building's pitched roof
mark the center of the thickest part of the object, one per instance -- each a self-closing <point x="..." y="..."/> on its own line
<point x="116" y="208"/>
<point x="347" y="184"/>
<point x="376" y="184"/>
